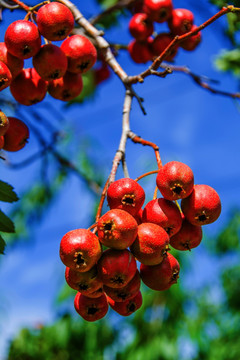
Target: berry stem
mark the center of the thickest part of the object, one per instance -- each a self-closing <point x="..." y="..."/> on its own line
<point x="146" y="174"/>
<point x="22" y="5"/>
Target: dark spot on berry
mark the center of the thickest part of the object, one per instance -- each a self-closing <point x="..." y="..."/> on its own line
<point x="79" y="259"/>
<point x="54" y="75"/>
<point x="66" y="94"/>
<point x="177" y="190"/>
<point x="84" y="65"/>
<point x="162" y="14"/>
<point x="122" y="296"/>
<point x="108" y="226"/>
<point x="83" y="286"/>
<point x="2" y="82"/>
<point x="202" y="218"/>
<point x="92" y="310"/>
<point x="117" y="279"/>
<point x="26" y="50"/>
<point x="169" y="230"/>
<point x="60" y="32"/>
<point x="131" y="307"/>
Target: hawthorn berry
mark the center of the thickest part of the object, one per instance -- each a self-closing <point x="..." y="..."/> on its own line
<point x="202" y="206"/>
<point x="158" y="10"/>
<point x="187" y="238"/>
<point x="22" y="39"/>
<point x="50" y="62"/>
<point x="160" y="43"/>
<point x="163" y="213"/>
<point x="1" y="142"/>
<point x="16" y="135"/>
<point x="80" y="249"/>
<point x="14" y="64"/>
<point x="84" y="282"/>
<point x="162" y="276"/>
<point x="140" y="51"/>
<point x="67" y="87"/>
<point x="91" y="309"/>
<point x="181" y="21"/>
<point x="80" y="52"/>
<point x="55" y="21"/>
<point x="175" y="180"/>
<point x="126" y="194"/>
<point x="140" y="27"/>
<point x="28" y="88"/>
<point x="5" y="76"/>
<point x="117" y="229"/>
<point x="101" y="74"/>
<point x="4" y="123"/>
<point x="116" y="267"/>
<point x="127" y="307"/>
<point x="193" y="41"/>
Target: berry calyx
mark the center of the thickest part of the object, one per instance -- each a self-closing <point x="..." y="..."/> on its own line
<point x="85" y="282"/>
<point x="4" y="123"/>
<point x="55" y="21"/>
<point x="67" y="87"/>
<point x="126" y="194"/>
<point x="175" y="180"/>
<point x="151" y="244"/>
<point x="5" y="76"/>
<point x="158" y="10"/>
<point x="181" y="21"/>
<point x="117" y="229"/>
<point x="80" y="52"/>
<point x="140" y="27"/>
<point x="202" y="206"/>
<point x="126" y="307"/>
<point x="187" y="238"/>
<point x="22" y="39"/>
<point x="91" y="309"/>
<point x="80" y="249"/>
<point x="16" y="135"/>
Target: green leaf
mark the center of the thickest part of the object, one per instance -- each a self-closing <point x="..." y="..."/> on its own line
<point x="2" y="245"/>
<point x="88" y="89"/>
<point x="6" y="224"/>
<point x="229" y="61"/>
<point x="6" y="193"/>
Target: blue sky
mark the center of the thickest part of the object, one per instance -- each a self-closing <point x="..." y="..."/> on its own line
<point x="188" y="123"/>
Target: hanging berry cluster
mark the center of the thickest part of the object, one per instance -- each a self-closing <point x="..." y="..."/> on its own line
<point x="144" y="47"/>
<point x="131" y="234"/>
<point x="56" y="70"/>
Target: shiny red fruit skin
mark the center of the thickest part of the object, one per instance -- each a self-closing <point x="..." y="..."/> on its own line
<point x="28" y="88"/>
<point x="50" y="62"/>
<point x="55" y="21"/>
<point x="203" y="206"/>
<point x="126" y="307"/>
<point x="163" y="213"/>
<point x="16" y="135"/>
<point x="5" y="76"/>
<point x="140" y="27"/>
<point x="151" y="244"/>
<point x="127" y="292"/>
<point x="158" y="10"/>
<point x="14" y="64"/>
<point x="67" y="87"/>
<point x="175" y="180"/>
<point x="4" y="123"/>
<point x="85" y="282"/>
<point x="191" y="43"/>
<point x="1" y="142"/>
<point x="22" y="39"/>
<point x="91" y="309"/>
<point x="80" y="52"/>
<point x="188" y="237"/>
<point x="140" y="51"/>
<point x="162" y="276"/>
<point x="160" y="43"/>
<point x="116" y="267"/>
<point x="80" y="249"/>
<point x="126" y="194"/>
<point x="181" y="21"/>
<point x="117" y="229"/>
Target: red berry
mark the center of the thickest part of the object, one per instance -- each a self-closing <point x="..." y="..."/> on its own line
<point x="158" y="10"/>
<point x="181" y="21"/>
<point x="1" y="142"/>
<point x="188" y="237"/>
<point x="16" y="135"/>
<point x="138" y="217"/>
<point x="151" y="244"/>
<point x="55" y="21"/>
<point x="14" y="64"/>
<point x="91" y="309"/>
<point x="140" y="26"/>
<point x="163" y="213"/>
<point x="117" y="229"/>
<point x="126" y="194"/>
<point x="203" y="206"/>
<point x="125" y="293"/>
<point x="84" y="282"/>
<point x="4" y="123"/>
<point x="50" y="62"/>
<point x="160" y="43"/>
<point x="126" y="307"/>
<point x="101" y="74"/>
<point x="116" y="267"/>
<point x="67" y="87"/>
<point x="5" y="76"/>
<point x="192" y="42"/>
<point x="22" y="39"/>
<point x="80" y="52"/>
<point x="80" y="249"/>
<point x="140" y="51"/>
<point x="162" y="276"/>
<point x="28" y="87"/>
<point x="175" y="180"/>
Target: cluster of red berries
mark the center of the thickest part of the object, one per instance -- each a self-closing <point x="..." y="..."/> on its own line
<point x="130" y="233"/>
<point x="14" y="133"/>
<point x="141" y="26"/>
<point x="56" y="70"/>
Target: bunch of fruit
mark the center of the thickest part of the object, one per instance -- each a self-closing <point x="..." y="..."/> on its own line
<point x="131" y="234"/>
<point x="14" y="133"/>
<point x="56" y="70"/>
<point x="141" y="26"/>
